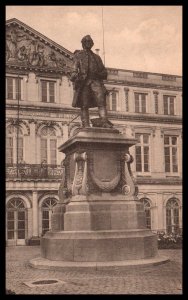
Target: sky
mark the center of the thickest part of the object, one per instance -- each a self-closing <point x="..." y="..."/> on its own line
<point x="142" y="38"/>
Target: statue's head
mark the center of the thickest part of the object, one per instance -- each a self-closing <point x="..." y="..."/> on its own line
<point x="87" y="42"/>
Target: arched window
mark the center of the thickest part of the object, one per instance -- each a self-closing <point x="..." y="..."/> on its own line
<point x="14" y="143"/>
<point x="16" y="219"/>
<point x="172" y="216"/>
<point x="47" y="207"/>
<point x="48" y="145"/>
<point x="147" y="209"/>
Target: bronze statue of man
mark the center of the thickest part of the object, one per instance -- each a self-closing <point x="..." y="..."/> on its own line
<point x="89" y="91"/>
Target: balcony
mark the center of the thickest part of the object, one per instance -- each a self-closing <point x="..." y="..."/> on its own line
<point x="34" y="171"/>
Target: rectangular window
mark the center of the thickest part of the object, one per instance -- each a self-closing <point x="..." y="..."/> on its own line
<point x="9" y="150"/>
<point x="53" y="151"/>
<point x="13" y="88"/>
<point x="20" y="148"/>
<point x="10" y="225"/>
<point x="44" y="91"/>
<point x="137" y="109"/>
<point x="170" y="154"/>
<point x="112" y="100"/>
<point x="140" y="102"/>
<point x="10" y="88"/>
<point x="45" y="221"/>
<point x="51" y="92"/>
<point x="47" y="91"/>
<point x="169" y="104"/>
<point x="168" y="221"/>
<point x="142" y="153"/>
<point x="43" y="149"/>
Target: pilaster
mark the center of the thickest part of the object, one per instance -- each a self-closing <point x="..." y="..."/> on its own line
<point x="35" y="214"/>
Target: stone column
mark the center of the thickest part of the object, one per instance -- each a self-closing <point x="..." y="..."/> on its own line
<point x="35" y="215"/>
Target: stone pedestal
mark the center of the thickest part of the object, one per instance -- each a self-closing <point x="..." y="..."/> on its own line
<point x="103" y="222"/>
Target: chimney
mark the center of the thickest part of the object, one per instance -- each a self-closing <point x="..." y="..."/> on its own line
<point x="97" y="51"/>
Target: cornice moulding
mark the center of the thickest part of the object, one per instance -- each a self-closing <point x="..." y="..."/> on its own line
<point x="113" y="116"/>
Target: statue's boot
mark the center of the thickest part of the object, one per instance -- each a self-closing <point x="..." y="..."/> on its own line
<point x="85" y="117"/>
<point x="103" y="115"/>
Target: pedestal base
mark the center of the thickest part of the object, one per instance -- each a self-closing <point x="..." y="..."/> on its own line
<point x="99" y="246"/>
<point x="43" y="263"/>
<point x="104" y="223"/>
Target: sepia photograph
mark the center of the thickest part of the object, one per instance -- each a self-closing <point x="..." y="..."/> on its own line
<point x="93" y="149"/>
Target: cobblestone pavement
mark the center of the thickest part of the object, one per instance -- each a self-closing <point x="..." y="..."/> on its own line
<point x="160" y="279"/>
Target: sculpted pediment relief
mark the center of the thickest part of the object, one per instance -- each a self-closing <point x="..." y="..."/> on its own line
<point x="25" y="48"/>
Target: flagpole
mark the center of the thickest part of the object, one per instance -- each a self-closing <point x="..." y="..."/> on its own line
<point x="103" y="36"/>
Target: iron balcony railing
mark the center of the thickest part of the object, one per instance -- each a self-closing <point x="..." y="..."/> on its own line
<point x="33" y="171"/>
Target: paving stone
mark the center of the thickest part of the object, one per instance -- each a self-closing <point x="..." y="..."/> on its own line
<point x="160" y="279"/>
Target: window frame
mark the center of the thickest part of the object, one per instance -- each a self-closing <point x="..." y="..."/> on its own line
<point x="109" y="100"/>
<point x="16" y="221"/>
<point x="48" y="82"/>
<point x="13" y="136"/>
<point x="48" y="208"/>
<point x="171" y="208"/>
<point x="48" y="138"/>
<point x="167" y="110"/>
<point x="140" y="102"/>
<point x="147" y="208"/>
<point x="170" y="146"/>
<point x="14" y="88"/>
<point x="141" y="145"/>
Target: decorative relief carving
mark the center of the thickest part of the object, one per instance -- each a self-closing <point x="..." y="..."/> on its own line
<point x="129" y="187"/>
<point x="68" y="183"/>
<point x="26" y="50"/>
<point x="16" y="122"/>
<point x="33" y="121"/>
<point x="63" y="191"/>
<point x="48" y="124"/>
<point x="108" y="177"/>
<point x="79" y="186"/>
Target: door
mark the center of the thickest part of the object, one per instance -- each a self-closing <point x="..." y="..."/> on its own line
<point x="16" y="222"/>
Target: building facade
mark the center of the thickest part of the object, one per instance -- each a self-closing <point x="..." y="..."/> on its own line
<point x="39" y="118"/>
